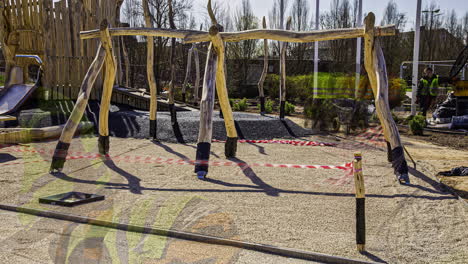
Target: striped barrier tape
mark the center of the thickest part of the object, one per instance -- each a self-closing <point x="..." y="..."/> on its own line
<point x="289" y="142"/>
<point x="159" y="160"/>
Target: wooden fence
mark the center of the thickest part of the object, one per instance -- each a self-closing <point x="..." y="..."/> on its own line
<point x="52" y="31"/>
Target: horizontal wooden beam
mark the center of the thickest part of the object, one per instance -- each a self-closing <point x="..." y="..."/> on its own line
<point x="190" y="36"/>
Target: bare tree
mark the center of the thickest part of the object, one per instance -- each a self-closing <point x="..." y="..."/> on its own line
<point x="242" y="52"/>
<point x="431" y="22"/>
<point x="274" y="20"/>
<point x="465" y="28"/>
<point x="340" y="16"/>
<point x="393" y="45"/>
<point x="300" y="22"/>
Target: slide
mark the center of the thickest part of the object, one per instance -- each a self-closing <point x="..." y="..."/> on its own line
<point x="13" y="96"/>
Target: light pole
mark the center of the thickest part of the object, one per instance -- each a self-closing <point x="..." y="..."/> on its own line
<point x="417" y="32"/>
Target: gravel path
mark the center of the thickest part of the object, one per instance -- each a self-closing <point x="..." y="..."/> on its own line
<point x="307" y="209"/>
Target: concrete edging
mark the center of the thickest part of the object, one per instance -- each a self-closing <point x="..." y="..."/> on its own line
<point x="281" y="251"/>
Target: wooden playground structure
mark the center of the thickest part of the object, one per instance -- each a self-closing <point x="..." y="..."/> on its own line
<point x="74" y="65"/>
<point x="215" y="78"/>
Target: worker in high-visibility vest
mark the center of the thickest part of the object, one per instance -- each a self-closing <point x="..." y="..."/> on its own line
<point x="427" y="90"/>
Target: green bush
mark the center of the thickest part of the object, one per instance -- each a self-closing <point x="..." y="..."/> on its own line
<point x="268" y="106"/>
<point x="396" y="92"/>
<point x="417" y="124"/>
<point x="408" y="119"/>
<point x="241" y="105"/>
<point x="2" y="80"/>
<point x="289" y="108"/>
<point x="330" y="86"/>
<point x="231" y="102"/>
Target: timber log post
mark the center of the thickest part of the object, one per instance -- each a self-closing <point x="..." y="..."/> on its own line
<point x="205" y="132"/>
<point x="196" y="91"/>
<point x="261" y="93"/>
<point x="109" y="79"/>
<point x="61" y="150"/>
<point x="360" y="202"/>
<point x="187" y="73"/>
<point x="9" y="43"/>
<point x="172" y="63"/>
<point x="374" y="62"/>
<point x="283" y="47"/>
<point x="221" y="88"/>
<point x="150" y="75"/>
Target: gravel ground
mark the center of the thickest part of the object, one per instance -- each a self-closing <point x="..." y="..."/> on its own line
<point x="307" y="209"/>
<point x="126" y="122"/>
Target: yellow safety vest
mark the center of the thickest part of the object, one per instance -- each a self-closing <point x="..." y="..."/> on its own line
<point x="429" y="88"/>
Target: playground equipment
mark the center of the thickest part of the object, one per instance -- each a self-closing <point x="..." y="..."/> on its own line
<point x="215" y="77"/>
<point x="283" y="48"/>
<point x="194" y="50"/>
<point x="16" y="91"/>
<point x="261" y="82"/>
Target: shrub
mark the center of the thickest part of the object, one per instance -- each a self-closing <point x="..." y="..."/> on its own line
<point x="268" y="106"/>
<point x="2" y="80"/>
<point x="416" y="125"/>
<point x="231" y="102"/>
<point x="396" y="92"/>
<point x="289" y="108"/>
<point x="241" y="105"/>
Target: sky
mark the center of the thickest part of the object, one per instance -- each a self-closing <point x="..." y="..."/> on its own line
<point x="262" y="7"/>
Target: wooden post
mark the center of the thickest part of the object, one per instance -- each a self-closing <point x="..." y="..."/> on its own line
<point x="127" y="63"/>
<point x="172" y="63"/>
<point x="360" y="202"/>
<point x="205" y="132"/>
<point x="109" y="79"/>
<point x="9" y="44"/>
<point x="150" y="74"/>
<point x="61" y="150"/>
<point x="374" y="62"/>
<point x="187" y="72"/>
<point x="221" y="88"/>
<point x="261" y="94"/>
<point x="284" y="47"/>
<point x="197" y="76"/>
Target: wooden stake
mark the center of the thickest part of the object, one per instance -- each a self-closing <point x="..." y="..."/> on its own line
<point x="127" y="63"/>
<point x="360" y="202"/>
<point x="261" y="94"/>
<point x="61" y="150"/>
<point x="218" y="44"/>
<point x="172" y="63"/>
<point x="284" y="47"/>
<point x="197" y="77"/>
<point x="150" y="74"/>
<point x="109" y="79"/>
<point x="374" y="62"/>
<point x="187" y="72"/>
<point x="205" y="133"/>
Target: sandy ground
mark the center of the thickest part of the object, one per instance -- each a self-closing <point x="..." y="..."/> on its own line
<point x="307" y="209"/>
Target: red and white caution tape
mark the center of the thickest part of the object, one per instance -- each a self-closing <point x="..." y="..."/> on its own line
<point x="159" y="160"/>
<point x="289" y="142"/>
